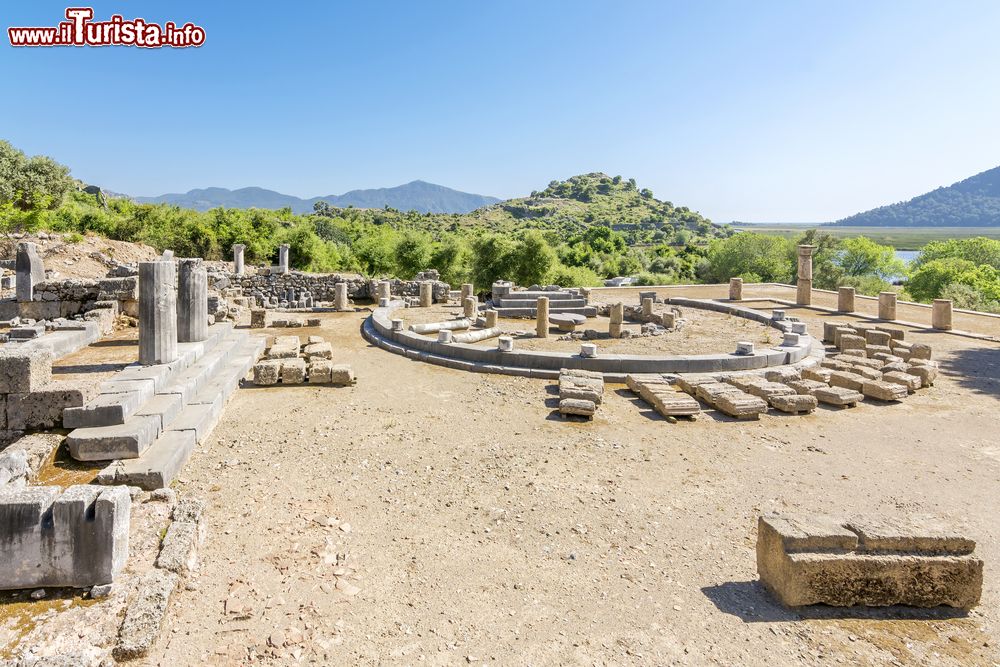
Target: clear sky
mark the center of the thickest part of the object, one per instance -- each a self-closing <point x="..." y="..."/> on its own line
<point x="792" y="110"/>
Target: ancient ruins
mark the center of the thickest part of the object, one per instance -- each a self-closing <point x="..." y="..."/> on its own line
<point x="207" y="329"/>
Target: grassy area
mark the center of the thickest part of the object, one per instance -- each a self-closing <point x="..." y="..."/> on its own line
<point x="901" y="238"/>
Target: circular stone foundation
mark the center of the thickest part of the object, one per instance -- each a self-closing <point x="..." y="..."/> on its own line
<point x="486" y="357"/>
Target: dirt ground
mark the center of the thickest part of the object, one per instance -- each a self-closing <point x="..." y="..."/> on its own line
<point x="87" y="257"/>
<point x="433" y="516"/>
<point x="702" y="332"/>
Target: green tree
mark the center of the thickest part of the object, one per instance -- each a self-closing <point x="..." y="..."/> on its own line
<point x="748" y="254"/>
<point x="860" y="256"/>
<point x="413" y="254"/>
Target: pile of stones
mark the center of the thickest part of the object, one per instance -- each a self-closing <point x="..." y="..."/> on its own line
<point x="580" y="392"/>
<point x="663" y="396"/>
<point x="294" y="322"/>
<point x="288" y="361"/>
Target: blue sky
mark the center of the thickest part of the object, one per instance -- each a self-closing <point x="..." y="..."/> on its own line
<point x="759" y="111"/>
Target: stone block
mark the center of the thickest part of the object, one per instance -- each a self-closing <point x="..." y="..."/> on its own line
<point x="320" y="371"/>
<point x="179" y="549"/>
<point x="839" y="396"/>
<point x="258" y="318"/>
<point x="43" y="409"/>
<point x="741" y="405"/>
<point x="710" y="392"/>
<point x="341" y="375"/>
<point x="872" y="350"/>
<point x="920" y="351"/>
<point x="867" y="373"/>
<point x="884" y="391"/>
<point x="842" y="331"/>
<point x="783" y="375"/>
<point x="793" y="403"/>
<point x="144" y="615"/>
<point x="927" y="374"/>
<point x="73" y="538"/>
<point x="817" y="374"/>
<point x="854" y="360"/>
<point x="876" y="337"/>
<point x="24" y="369"/>
<point x="851" y="342"/>
<point x="767" y="390"/>
<point x="322" y="350"/>
<point x="816" y="560"/>
<point x="847" y="380"/>
<point x="807" y="387"/>
<point x="910" y="382"/>
<point x="293" y="371"/>
<point x="579" y="407"/>
<point x="121" y="441"/>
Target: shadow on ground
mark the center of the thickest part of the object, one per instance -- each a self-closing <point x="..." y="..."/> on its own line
<point x="751" y="603"/>
<point x="976" y="369"/>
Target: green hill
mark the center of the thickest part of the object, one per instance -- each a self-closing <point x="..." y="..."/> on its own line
<point x="974" y="202"/>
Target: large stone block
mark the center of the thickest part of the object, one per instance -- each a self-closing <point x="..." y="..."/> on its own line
<point x="578" y="407"/>
<point x="793" y="403"/>
<point x="847" y="380"/>
<point x="43" y="408"/>
<point x="741" y="405"/>
<point x="24" y="369"/>
<point x="816" y="560"/>
<point x="838" y="396"/>
<point x="75" y="538"/>
<point x="884" y="391"/>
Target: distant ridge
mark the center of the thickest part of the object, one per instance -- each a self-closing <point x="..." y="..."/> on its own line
<point x="413" y="196"/>
<point x="974" y="202"/>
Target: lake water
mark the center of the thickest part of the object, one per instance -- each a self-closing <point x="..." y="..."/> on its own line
<point x="907" y="255"/>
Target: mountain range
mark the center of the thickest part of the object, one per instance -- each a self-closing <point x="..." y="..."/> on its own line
<point x="974" y="202"/>
<point x="413" y="196"/>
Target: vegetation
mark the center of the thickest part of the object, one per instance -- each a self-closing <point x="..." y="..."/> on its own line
<point x="974" y="202"/>
<point x="964" y="270"/>
<point x="901" y="238"/>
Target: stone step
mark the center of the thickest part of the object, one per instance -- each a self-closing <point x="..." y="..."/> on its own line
<point x="158" y="409"/>
<point x="532" y="303"/>
<point x="586" y="311"/>
<point x="163" y="460"/>
<point x="123" y="395"/>
<point x="531" y="296"/>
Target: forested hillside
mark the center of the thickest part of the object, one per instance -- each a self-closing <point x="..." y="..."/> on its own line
<point x="974" y="202"/>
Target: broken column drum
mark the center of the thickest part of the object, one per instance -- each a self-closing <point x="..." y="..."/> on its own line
<point x="238" y="267"/>
<point x="469" y="306"/>
<point x="340" y="296"/>
<point x="887" y="305"/>
<point x="467" y="291"/>
<point x="803" y="296"/>
<point x="192" y="301"/>
<point x="941" y="315"/>
<point x="617" y="319"/>
<point x="30" y="270"/>
<point x="157" y="312"/>
<point x="845" y="299"/>
<point x="735" y="289"/>
<point x="283" y="258"/>
<point x="384" y="290"/>
<point x="426" y="294"/>
<point x="542" y="317"/>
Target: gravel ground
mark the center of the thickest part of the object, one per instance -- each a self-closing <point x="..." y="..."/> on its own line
<point x="433" y="516"/>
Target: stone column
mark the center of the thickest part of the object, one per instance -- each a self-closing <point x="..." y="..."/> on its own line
<point x="491" y="318"/>
<point x="467" y="291"/>
<point x="542" y="317"/>
<point x="735" y="289"/>
<point x="617" y="318"/>
<point x="887" y="305"/>
<point x="29" y="269"/>
<point x="238" y="249"/>
<point x="845" y="299"/>
<point x="941" y="315"/>
<point x="804" y="295"/>
<point x="384" y="290"/>
<point x="340" y="296"/>
<point x="469" y="306"/>
<point x="426" y="294"/>
<point x="283" y="258"/>
<point x="157" y="312"/>
<point x="192" y="301"/>
<point x="647" y="307"/>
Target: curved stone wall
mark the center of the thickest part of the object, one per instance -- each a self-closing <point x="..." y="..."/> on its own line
<point x="378" y="330"/>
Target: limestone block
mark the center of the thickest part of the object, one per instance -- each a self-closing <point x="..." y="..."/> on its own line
<point x="144" y="615"/>
<point x="293" y="371"/>
<point x="851" y="342"/>
<point x="842" y="331"/>
<point x="341" y="375"/>
<point x="266" y="373"/>
<point x="805" y="560"/>
<point x="884" y="391"/>
<point x="783" y="374"/>
<point x="24" y="369"/>
<point x="854" y="360"/>
<point x="807" y="387"/>
<point x="43" y="409"/>
<point x="793" y="403"/>
<point x="838" y="396"/>
<point x="887" y="358"/>
<point x="847" y="380"/>
<point x="258" y="318"/>
<point x="572" y="406"/>
<point x="927" y="374"/>
<point x="767" y="390"/>
<point x="73" y="538"/>
<point x="920" y="351"/>
<point x="710" y="392"/>
<point x="872" y="350"/>
<point x="741" y="405"/>
<point x="835" y="364"/>
<point x="320" y="371"/>
<point x="179" y="549"/>
<point x="817" y="374"/>
<point x="744" y="382"/>
<point x="876" y="337"/>
<point x="322" y="350"/>
<point x="910" y="382"/>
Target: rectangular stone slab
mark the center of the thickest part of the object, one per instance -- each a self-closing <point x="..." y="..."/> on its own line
<point x="884" y="391"/>
<point x="122" y="441"/>
<point x="793" y="403"/>
<point x="741" y="405"/>
<point x="838" y="396"/>
<point x="798" y="573"/>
